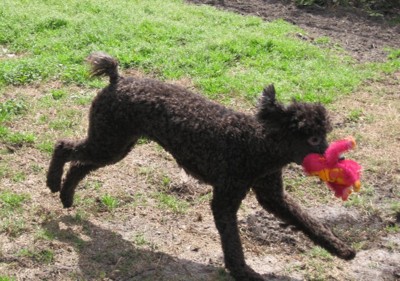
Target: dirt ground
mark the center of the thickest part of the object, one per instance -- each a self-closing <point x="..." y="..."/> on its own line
<point x="146" y="236"/>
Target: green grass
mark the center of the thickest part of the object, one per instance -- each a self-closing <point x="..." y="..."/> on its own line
<point x="139" y="199"/>
<point x="10" y="108"/>
<point x="39" y="256"/>
<point x="46" y="146"/>
<point x="19" y="176"/>
<point x="225" y="55"/>
<point x="93" y="184"/>
<point x="44" y="234"/>
<point x="6" y="278"/>
<point x="394" y="228"/>
<point x="363" y="199"/>
<point x="308" y="190"/>
<point x="318" y="265"/>
<point x="12" y="201"/>
<point x="11" y="205"/>
<point x="36" y="168"/>
<point x="67" y="120"/>
<point x="109" y="202"/>
<point x="58" y="93"/>
<point x="16" y="138"/>
<point x="13" y="227"/>
<point x="172" y="203"/>
<point x="320" y="253"/>
<point x="355" y="115"/>
<point x="395" y="207"/>
<point x="140" y="240"/>
<point x="5" y="171"/>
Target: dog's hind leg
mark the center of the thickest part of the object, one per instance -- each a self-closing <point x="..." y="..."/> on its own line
<point x="271" y="195"/>
<point x="87" y="158"/>
<point x="77" y="171"/>
<point x="61" y="155"/>
<point x="225" y="205"/>
<point x="65" y="151"/>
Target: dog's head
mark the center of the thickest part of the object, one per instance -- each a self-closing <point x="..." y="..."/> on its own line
<point x="301" y="127"/>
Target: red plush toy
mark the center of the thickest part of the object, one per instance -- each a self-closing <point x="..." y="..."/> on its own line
<point x="341" y="175"/>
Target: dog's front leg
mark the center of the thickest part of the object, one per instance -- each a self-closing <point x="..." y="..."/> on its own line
<point x="225" y="205"/>
<point x="271" y="195"/>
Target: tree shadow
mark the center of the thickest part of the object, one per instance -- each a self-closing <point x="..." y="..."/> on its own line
<point x="105" y="254"/>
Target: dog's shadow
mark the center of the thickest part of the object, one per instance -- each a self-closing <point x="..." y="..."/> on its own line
<point x="105" y="254"/>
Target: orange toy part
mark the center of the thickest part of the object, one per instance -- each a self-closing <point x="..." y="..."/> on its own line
<point x="341" y="175"/>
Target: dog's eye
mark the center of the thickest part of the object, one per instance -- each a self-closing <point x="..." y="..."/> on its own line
<point x="314" y="141"/>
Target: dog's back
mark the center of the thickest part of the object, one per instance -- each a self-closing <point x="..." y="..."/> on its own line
<point x="196" y="131"/>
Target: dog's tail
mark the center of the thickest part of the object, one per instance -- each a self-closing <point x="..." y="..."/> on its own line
<point x="103" y="64"/>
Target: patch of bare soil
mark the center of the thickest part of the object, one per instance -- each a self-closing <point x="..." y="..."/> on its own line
<point x="363" y="36"/>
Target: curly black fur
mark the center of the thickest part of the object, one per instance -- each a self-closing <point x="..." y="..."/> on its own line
<point x="230" y="150"/>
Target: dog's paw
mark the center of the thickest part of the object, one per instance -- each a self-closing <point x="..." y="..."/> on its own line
<point x="66" y="200"/>
<point x="247" y="274"/>
<point x="255" y="277"/>
<point x="346" y="253"/>
<point x="53" y="183"/>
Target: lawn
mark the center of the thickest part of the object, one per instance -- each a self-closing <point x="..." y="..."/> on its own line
<point x="225" y="55"/>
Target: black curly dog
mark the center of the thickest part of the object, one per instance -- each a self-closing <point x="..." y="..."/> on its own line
<point x="229" y="150"/>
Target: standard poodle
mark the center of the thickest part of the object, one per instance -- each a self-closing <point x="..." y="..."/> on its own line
<point x="232" y="151"/>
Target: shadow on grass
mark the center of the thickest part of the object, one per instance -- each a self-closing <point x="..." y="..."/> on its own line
<point x="105" y="254"/>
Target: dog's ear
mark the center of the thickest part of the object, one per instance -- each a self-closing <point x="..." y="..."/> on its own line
<point x="269" y="110"/>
